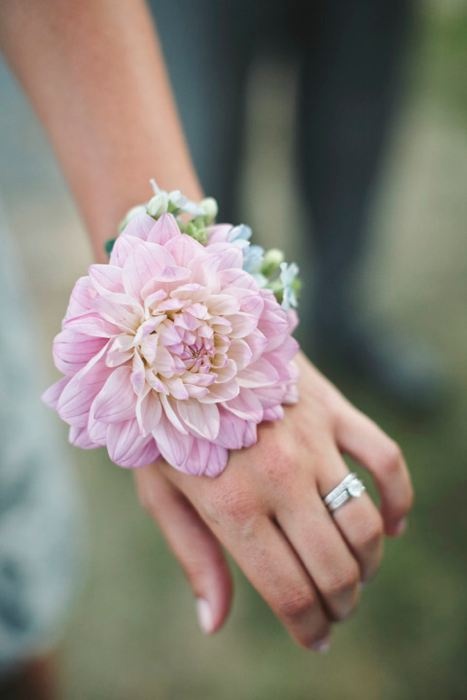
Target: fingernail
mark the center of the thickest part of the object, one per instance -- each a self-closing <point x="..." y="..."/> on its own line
<point x="205" y="617"/>
<point x="322" y="646"/>
<point x="401" y="527"/>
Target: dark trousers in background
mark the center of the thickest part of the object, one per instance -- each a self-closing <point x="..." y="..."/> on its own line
<point x="348" y="53"/>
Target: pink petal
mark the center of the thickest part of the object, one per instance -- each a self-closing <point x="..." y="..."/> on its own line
<point x="177" y="388"/>
<point x="219" y="233"/>
<point x="233" y="431"/>
<point x="139" y="226"/>
<point x="276" y="413"/>
<point x="164" y="230"/>
<point x="123" y="247"/>
<point x="97" y="430"/>
<point x="227" y="256"/>
<point x="174" y="447"/>
<point x="126" y="446"/>
<point x="76" y="399"/>
<point x="51" y="395"/>
<point x="206" y="459"/>
<point x="202" y="419"/>
<point x="116" y="401"/>
<point x="73" y="350"/>
<point x="222" y="304"/>
<point x="240" y="352"/>
<point x="148" y="412"/>
<point x="242" y="324"/>
<point x="106" y="277"/>
<point x="246" y="405"/>
<point x="170" y="410"/>
<point x="79" y="437"/>
<point x="145" y="261"/>
<point x="168" y="279"/>
<point x="93" y="325"/>
<point x="185" y="249"/>
<point x="81" y="299"/>
<point x="221" y="392"/>
<point x="138" y="374"/>
<point x="260" y="373"/>
<point x="235" y="278"/>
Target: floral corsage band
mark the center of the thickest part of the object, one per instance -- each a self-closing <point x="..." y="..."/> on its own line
<point x="179" y="346"/>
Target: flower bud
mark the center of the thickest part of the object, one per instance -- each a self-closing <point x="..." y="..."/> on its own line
<point x="209" y="208"/>
<point x="158" y="204"/>
<point x="272" y="260"/>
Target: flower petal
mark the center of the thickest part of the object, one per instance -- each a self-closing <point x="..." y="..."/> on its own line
<point x="202" y="419"/>
<point x="72" y="350"/>
<point x="173" y="445"/>
<point x="148" y="412"/>
<point x="126" y="446"/>
<point x="164" y="230"/>
<point x="246" y="405"/>
<point x="52" y="395"/>
<point x="116" y="401"/>
<point x="145" y="261"/>
<point x="260" y="373"/>
<point x="79" y="437"/>
<point x="77" y="396"/>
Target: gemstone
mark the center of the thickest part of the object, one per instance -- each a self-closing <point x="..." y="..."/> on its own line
<point x="355" y="488"/>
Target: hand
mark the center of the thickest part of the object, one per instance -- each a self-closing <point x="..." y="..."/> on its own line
<point x="266" y="509"/>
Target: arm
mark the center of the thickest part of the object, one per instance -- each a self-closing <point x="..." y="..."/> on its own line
<point x="96" y="78"/>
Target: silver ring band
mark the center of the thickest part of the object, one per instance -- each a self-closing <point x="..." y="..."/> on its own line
<point x="350" y="487"/>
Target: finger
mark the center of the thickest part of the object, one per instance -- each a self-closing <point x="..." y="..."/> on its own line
<point x="193" y="544"/>
<point x="359" y="437"/>
<point x="232" y="510"/>
<point x="272" y="567"/>
<point x="323" y="551"/>
<point x="358" y="520"/>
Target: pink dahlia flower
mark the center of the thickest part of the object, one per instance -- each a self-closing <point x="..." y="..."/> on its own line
<point x="171" y="349"/>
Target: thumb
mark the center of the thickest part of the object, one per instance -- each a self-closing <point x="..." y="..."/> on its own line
<point x="193" y="544"/>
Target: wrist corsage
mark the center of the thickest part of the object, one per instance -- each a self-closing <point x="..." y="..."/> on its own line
<point x="179" y="346"/>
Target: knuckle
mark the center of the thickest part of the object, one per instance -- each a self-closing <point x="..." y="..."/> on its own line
<point x="280" y="466"/>
<point x="343" y="582"/>
<point x="236" y="508"/>
<point x="294" y="606"/>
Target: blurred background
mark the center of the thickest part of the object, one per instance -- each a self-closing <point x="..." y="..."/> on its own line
<point x="133" y="630"/>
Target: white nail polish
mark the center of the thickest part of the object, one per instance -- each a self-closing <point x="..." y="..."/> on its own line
<point x="322" y="646"/>
<point x="205" y="617"/>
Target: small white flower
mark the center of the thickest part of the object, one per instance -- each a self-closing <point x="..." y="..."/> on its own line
<point x="158" y="204"/>
<point x="209" y="207"/>
<point x="288" y="275"/>
<point x="272" y="259"/>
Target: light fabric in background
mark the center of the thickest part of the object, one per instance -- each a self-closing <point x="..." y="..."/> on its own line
<point x="38" y="552"/>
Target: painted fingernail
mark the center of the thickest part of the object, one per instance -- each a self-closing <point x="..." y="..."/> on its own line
<point x="401" y="527"/>
<point x="205" y="616"/>
<point x="322" y="646"/>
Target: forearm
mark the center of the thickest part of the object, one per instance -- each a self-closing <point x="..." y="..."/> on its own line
<point x="94" y="74"/>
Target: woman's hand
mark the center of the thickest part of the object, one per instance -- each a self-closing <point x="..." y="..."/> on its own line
<point x="266" y="509"/>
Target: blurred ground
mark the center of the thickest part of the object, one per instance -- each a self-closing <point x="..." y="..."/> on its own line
<point x="134" y="633"/>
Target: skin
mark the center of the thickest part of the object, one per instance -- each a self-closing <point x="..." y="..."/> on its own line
<point x="95" y="75"/>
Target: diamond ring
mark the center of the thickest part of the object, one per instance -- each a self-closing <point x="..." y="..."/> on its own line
<point x="350" y="487"/>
